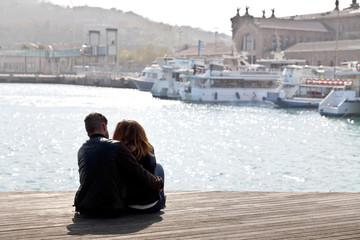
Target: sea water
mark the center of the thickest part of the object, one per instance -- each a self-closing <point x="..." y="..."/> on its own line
<point x="201" y="146"/>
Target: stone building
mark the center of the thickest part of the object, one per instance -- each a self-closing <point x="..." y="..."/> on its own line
<point x="324" y="38"/>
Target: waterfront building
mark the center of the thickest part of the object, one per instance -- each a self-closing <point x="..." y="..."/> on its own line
<point x="326" y="38"/>
<point x="91" y="59"/>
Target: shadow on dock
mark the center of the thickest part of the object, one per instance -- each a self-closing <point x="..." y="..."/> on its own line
<point x="125" y="224"/>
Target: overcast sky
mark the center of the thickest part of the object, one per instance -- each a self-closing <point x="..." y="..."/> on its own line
<point x="208" y="15"/>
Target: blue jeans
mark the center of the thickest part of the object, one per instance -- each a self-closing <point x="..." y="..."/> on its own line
<point x="159" y="171"/>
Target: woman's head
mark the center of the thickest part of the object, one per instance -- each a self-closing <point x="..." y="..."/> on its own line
<point x="133" y="135"/>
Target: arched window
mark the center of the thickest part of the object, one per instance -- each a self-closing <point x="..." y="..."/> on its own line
<point x="331" y="63"/>
<point x="249" y="43"/>
<point x="319" y="63"/>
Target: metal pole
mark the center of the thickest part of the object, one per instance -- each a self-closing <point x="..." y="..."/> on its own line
<point x="336" y="45"/>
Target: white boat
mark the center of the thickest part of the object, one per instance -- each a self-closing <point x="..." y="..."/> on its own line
<point x="216" y="86"/>
<point x="241" y="83"/>
<point x="303" y="86"/>
<point x="148" y="77"/>
<point x="174" y="71"/>
<point x="344" y="101"/>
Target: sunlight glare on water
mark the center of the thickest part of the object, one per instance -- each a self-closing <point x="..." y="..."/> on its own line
<point x="201" y="146"/>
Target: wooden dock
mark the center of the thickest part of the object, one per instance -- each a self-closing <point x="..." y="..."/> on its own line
<point x="188" y="215"/>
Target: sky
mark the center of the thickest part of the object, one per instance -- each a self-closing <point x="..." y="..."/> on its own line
<point x="209" y="15"/>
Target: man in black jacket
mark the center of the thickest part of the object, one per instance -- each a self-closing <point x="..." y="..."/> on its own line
<point x="103" y="166"/>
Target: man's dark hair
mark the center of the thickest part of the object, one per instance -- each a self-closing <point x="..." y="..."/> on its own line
<point x="93" y="122"/>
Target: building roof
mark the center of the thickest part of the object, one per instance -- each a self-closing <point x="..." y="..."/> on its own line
<point x="289" y="24"/>
<point x="343" y="45"/>
<point x="349" y="12"/>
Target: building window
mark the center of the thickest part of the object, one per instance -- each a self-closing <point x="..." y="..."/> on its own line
<point x="274" y="42"/>
<point x="331" y="63"/>
<point x="286" y="41"/>
<point x="319" y="63"/>
<point x="249" y="43"/>
<point x="342" y="27"/>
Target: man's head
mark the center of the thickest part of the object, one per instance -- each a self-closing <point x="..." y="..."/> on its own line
<point x="96" y="123"/>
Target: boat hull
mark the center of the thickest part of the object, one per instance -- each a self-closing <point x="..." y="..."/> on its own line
<point x="214" y="95"/>
<point x="347" y="109"/>
<point x="143" y="85"/>
<point x="295" y="102"/>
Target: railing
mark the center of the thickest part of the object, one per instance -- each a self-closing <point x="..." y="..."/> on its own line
<point x="323" y="81"/>
<point x="334" y="99"/>
<point x="341" y="102"/>
<point x="40" y="53"/>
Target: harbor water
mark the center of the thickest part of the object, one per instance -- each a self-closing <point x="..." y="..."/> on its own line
<point x="201" y="146"/>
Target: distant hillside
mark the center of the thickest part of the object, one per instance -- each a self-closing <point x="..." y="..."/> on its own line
<point x="46" y="24"/>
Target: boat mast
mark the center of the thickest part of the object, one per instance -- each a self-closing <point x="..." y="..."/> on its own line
<point x="337" y="35"/>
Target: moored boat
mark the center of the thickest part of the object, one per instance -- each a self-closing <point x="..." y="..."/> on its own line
<point x="148" y="76"/>
<point x="242" y="83"/>
<point x="303" y="86"/>
<point x="344" y="101"/>
<point x="218" y="86"/>
<point x="175" y="71"/>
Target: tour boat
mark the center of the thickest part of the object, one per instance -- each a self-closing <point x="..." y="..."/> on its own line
<point x="219" y="85"/>
<point x="175" y="71"/>
<point x="237" y="83"/>
<point x="304" y="86"/>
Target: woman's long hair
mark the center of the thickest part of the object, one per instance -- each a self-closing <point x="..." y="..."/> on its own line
<point x="133" y="135"/>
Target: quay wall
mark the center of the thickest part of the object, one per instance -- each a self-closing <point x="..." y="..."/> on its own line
<point x="67" y="79"/>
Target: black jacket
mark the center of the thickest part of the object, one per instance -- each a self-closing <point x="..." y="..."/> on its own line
<point x="137" y="192"/>
<point x="104" y="166"/>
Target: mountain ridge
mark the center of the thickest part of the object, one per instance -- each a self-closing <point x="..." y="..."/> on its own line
<point x="44" y="23"/>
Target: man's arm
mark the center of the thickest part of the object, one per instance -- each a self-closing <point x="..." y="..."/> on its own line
<point x="130" y="165"/>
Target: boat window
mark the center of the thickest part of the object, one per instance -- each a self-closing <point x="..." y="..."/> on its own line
<point x="240" y="83"/>
<point x="199" y="82"/>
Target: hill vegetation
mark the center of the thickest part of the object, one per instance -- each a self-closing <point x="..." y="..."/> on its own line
<point x="42" y="24"/>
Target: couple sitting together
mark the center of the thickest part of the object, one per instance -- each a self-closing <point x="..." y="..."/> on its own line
<point x="120" y="175"/>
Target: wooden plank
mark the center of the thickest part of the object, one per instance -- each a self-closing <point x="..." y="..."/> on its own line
<point x="188" y="215"/>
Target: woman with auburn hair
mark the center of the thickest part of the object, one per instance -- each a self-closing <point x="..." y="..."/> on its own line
<point x="139" y="197"/>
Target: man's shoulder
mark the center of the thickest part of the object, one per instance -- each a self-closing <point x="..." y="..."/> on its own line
<point x="118" y="144"/>
<point x="110" y="141"/>
<point x="100" y="141"/>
